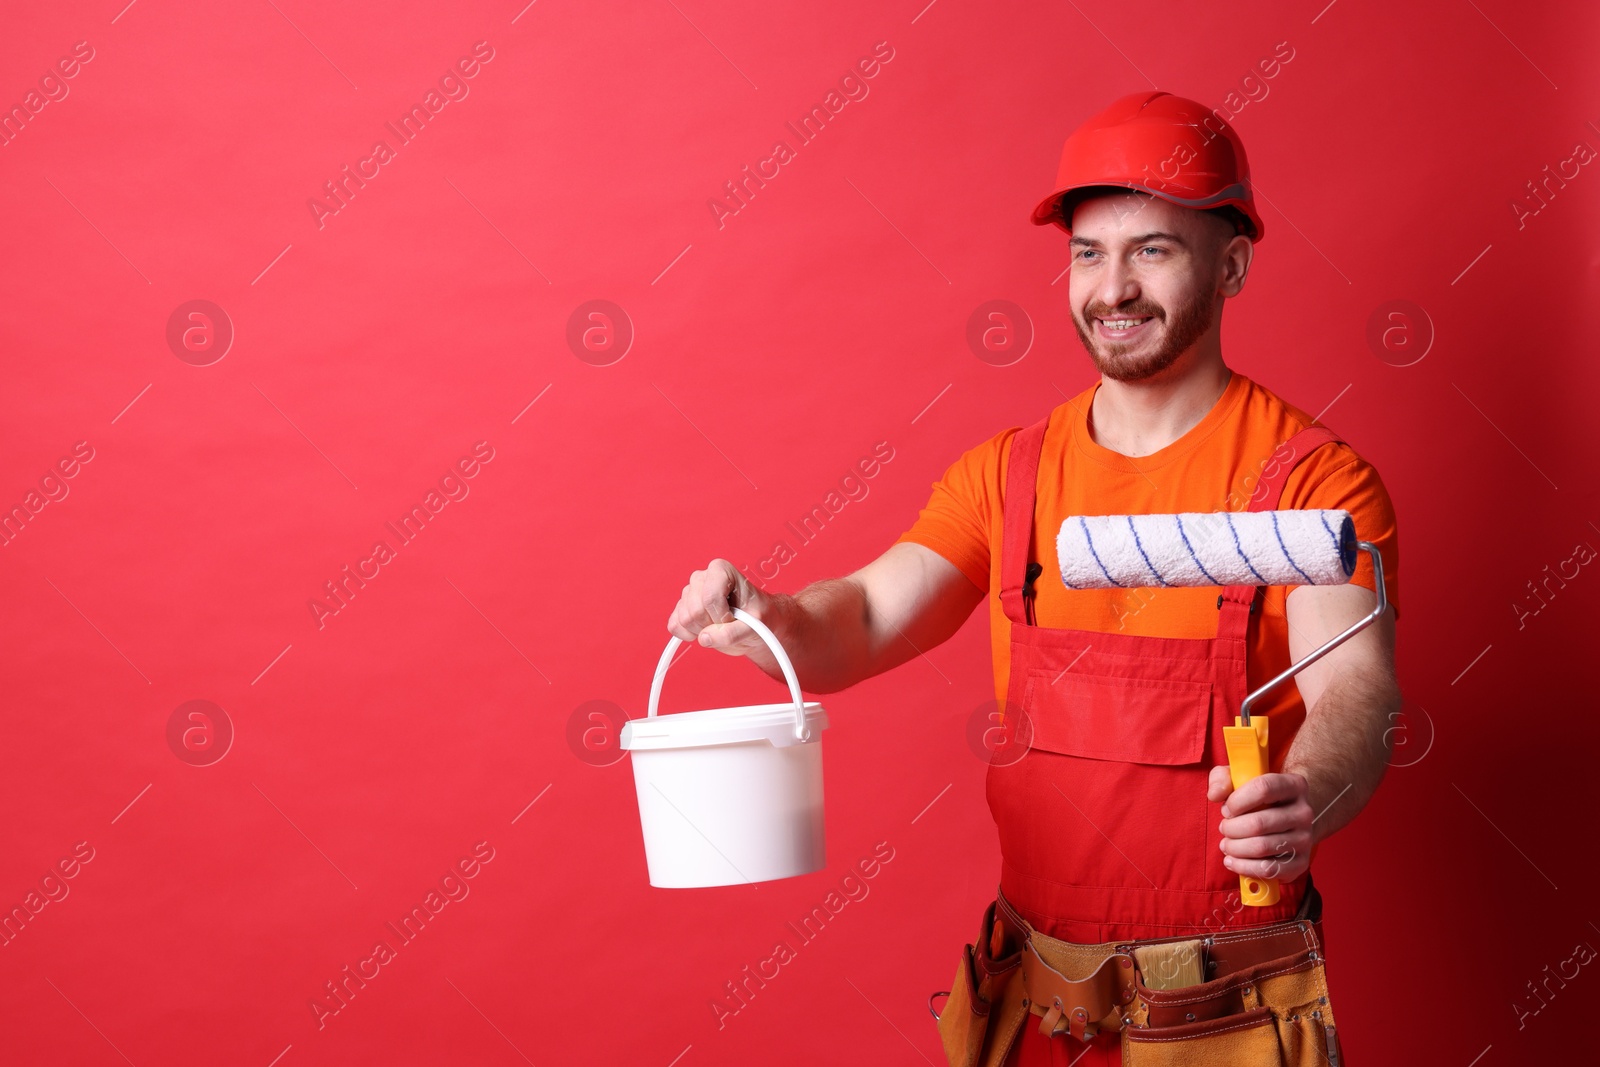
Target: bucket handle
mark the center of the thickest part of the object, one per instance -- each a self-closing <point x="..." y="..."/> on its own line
<point x="801" y="731"/>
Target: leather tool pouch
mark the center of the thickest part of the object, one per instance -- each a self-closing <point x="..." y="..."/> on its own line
<point x="986" y="1006"/>
<point x="1266" y="1012"/>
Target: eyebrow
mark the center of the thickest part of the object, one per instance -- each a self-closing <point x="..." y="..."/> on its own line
<point x="1153" y="235"/>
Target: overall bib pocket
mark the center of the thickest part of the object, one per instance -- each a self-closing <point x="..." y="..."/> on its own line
<point x="1120" y="720"/>
<point x="1112" y="763"/>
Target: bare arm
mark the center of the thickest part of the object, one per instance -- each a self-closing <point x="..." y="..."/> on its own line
<point x="1340" y="752"/>
<point x="838" y="631"/>
<point x="1352" y="695"/>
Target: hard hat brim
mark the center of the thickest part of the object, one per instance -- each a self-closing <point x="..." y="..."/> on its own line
<point x="1049" y="211"/>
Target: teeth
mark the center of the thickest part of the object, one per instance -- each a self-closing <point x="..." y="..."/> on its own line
<point x="1122" y="324"/>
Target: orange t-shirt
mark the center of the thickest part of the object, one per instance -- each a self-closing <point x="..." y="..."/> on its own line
<point x="1213" y="467"/>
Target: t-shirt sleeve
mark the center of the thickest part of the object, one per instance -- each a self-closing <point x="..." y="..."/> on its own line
<point x="1334" y="476"/>
<point x="957" y="520"/>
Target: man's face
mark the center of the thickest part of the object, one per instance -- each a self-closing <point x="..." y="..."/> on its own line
<point x="1141" y="258"/>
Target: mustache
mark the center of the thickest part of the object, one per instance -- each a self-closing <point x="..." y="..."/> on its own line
<point x="1122" y="313"/>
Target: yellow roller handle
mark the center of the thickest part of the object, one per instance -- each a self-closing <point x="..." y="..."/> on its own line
<point x="1247" y="759"/>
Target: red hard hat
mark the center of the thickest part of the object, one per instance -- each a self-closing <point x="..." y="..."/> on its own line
<point x="1160" y="144"/>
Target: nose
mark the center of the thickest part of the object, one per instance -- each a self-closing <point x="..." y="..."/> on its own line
<point x="1117" y="283"/>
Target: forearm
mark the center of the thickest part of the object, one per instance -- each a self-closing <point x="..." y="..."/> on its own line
<point x="825" y="631"/>
<point x="1343" y="748"/>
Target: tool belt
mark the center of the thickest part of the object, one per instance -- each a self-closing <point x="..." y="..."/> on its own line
<point x="1244" y="995"/>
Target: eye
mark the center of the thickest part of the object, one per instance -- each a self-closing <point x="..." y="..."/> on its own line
<point x="1085" y="252"/>
<point x="1152" y="248"/>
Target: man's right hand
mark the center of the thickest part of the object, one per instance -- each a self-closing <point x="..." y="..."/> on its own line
<point x="704" y="614"/>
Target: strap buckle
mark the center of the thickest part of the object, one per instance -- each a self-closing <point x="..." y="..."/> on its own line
<point x="1255" y="602"/>
<point x="1029" y="593"/>
<point x="1078" y="1026"/>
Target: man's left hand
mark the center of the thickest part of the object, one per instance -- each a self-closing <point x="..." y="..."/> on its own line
<point x="1266" y="825"/>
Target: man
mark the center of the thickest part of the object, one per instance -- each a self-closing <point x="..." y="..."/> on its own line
<point x="1121" y="837"/>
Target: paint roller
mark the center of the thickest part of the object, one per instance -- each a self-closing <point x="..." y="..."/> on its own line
<point x="1292" y="547"/>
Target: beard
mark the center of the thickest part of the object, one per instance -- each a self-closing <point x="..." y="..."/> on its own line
<point x="1136" y="360"/>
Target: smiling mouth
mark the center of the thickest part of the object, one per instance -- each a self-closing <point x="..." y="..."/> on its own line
<point x="1122" y="327"/>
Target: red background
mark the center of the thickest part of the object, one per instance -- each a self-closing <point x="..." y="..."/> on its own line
<point x="373" y="753"/>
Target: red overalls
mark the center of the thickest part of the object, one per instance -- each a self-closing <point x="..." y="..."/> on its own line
<point x="1105" y="830"/>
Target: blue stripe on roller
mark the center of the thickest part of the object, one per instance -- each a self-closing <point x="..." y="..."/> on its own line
<point x="1239" y="549"/>
<point x="1285" y="548"/>
<point x="1347" y="560"/>
<point x="1322" y="516"/>
<point x="1140" y="546"/>
<point x="1090" y="542"/>
<point x="1192" y="554"/>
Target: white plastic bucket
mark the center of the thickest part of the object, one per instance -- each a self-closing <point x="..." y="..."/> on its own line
<point x="730" y="795"/>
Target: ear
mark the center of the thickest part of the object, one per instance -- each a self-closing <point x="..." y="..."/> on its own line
<point x="1234" y="267"/>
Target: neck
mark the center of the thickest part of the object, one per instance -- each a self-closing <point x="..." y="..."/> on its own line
<point x="1138" y="418"/>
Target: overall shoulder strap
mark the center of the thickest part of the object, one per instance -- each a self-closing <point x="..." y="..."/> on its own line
<point x="1289" y="454"/>
<point x="1017" y="514"/>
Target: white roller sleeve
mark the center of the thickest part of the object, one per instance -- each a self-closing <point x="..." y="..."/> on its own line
<point x="1303" y="547"/>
